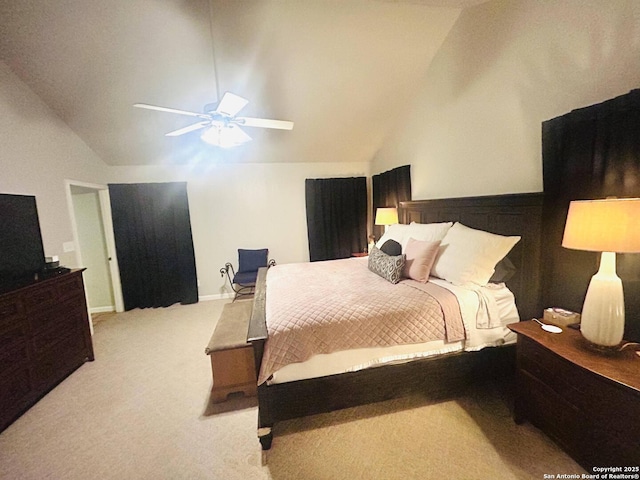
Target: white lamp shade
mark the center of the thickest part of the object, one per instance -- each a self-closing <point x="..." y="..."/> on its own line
<point x="606" y="226"/>
<point x="386" y="216"/>
<point x="611" y="225"/>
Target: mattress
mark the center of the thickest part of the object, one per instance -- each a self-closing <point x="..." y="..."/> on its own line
<point x="340" y="305"/>
<point x="491" y="305"/>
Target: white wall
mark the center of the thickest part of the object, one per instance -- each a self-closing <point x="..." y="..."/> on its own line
<point x="506" y="66"/>
<point x="38" y="152"/>
<point x="243" y="206"/>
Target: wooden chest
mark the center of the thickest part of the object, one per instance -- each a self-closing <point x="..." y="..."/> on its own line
<point x="232" y="359"/>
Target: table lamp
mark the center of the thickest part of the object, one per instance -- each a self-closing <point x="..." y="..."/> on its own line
<point x="608" y="226"/>
<point x="386" y="216"/>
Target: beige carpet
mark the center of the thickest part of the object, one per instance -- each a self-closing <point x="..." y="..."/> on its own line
<point x="142" y="411"/>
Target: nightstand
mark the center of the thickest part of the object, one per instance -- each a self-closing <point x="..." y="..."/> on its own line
<point x="586" y="401"/>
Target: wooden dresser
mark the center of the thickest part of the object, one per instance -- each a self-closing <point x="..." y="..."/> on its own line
<point x="588" y="402"/>
<point x="44" y="336"/>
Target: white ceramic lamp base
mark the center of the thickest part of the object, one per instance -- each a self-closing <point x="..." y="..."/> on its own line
<point x="603" y="311"/>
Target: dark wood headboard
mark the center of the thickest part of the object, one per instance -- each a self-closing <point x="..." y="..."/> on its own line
<point x="516" y="214"/>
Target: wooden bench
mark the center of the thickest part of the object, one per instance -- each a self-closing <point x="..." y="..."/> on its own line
<point x="232" y="360"/>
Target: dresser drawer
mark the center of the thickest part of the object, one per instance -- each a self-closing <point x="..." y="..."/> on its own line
<point x="551" y="369"/>
<point x="70" y="287"/>
<point x="613" y="410"/>
<point x="16" y="394"/>
<point x="13" y="389"/>
<point x="40" y="297"/>
<point x="13" y="350"/>
<point x="12" y="359"/>
<point x="57" y="315"/>
<point x="548" y="410"/>
<point x="65" y="326"/>
<point x="59" y="360"/>
<point x="607" y="447"/>
<point x="593" y="395"/>
<point x="12" y="335"/>
<point x="10" y="310"/>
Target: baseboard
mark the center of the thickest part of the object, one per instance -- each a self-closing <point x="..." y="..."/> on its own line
<point x="106" y="309"/>
<point x="201" y="298"/>
<point x="217" y="296"/>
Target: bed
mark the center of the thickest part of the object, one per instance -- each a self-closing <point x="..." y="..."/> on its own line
<point x="297" y="393"/>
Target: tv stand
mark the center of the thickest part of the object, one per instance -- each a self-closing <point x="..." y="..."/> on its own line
<point x="44" y="336"/>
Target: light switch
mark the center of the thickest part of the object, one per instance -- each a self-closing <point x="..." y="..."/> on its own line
<point x="68" y="247"/>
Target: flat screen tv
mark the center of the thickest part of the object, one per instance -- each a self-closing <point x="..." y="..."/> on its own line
<point x="21" y="250"/>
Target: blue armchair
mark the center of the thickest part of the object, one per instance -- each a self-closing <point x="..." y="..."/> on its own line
<point x="249" y="261"/>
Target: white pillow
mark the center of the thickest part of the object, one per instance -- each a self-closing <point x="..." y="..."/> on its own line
<point x="469" y="256"/>
<point x="428" y="232"/>
<point x="396" y="232"/>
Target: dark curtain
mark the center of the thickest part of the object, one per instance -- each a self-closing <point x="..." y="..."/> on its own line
<point x="154" y="245"/>
<point x="590" y="153"/>
<point x="336" y="217"/>
<point x="389" y="189"/>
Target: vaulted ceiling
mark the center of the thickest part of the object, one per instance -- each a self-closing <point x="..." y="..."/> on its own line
<point x="344" y="71"/>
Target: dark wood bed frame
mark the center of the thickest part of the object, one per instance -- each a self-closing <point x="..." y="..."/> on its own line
<point x="437" y="377"/>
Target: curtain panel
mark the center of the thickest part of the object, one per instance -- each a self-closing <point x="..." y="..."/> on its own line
<point x="589" y="153"/>
<point x="336" y="217"/>
<point x="389" y="189"/>
<point x="153" y="240"/>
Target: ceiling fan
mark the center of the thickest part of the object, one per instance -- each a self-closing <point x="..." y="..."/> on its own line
<point x="221" y="123"/>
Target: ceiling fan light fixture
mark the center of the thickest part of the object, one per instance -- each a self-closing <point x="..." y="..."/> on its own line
<point x="225" y="136"/>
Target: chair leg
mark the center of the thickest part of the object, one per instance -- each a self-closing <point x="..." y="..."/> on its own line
<point x="243" y="290"/>
<point x="237" y="288"/>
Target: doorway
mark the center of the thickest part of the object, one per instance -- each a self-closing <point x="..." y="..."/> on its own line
<point x="90" y="214"/>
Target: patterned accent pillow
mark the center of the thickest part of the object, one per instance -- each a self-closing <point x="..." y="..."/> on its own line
<point x="388" y="267"/>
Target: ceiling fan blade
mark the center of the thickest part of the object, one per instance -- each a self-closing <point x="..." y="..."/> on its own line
<point x="264" y="123"/>
<point x="231" y="104"/>
<point x="169" y="110"/>
<point x="187" y="129"/>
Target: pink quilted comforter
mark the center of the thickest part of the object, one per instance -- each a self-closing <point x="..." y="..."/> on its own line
<point x="324" y="307"/>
